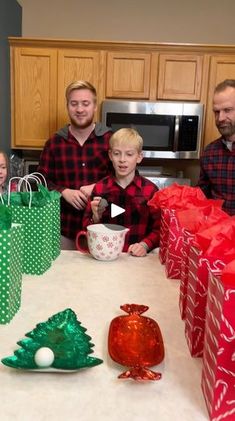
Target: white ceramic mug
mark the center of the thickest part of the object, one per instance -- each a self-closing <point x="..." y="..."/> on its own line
<point x="102" y="241"/>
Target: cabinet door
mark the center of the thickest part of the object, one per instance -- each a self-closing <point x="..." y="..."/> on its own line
<point x="221" y="68"/>
<point x="128" y="75"/>
<point x="180" y="76"/>
<point x="34" y="83"/>
<point x="75" y="65"/>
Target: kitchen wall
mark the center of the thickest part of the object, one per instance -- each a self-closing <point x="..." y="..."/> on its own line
<point x="186" y="21"/>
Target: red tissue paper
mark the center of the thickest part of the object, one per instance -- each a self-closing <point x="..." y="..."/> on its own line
<point x="218" y="369"/>
<point x="175" y="196"/>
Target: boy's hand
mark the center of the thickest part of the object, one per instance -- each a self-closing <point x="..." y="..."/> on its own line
<point x="137" y="249"/>
<point x="98" y="206"/>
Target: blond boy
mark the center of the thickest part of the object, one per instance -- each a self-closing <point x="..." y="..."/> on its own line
<point x="127" y="189"/>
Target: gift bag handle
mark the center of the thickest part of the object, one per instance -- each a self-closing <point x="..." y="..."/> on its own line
<point x="9" y="187"/>
<point x="1" y="198"/>
<point x="27" y="178"/>
<point x="20" y="182"/>
<point x="35" y="175"/>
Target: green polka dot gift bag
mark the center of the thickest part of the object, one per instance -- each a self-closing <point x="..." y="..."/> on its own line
<point x="11" y="256"/>
<point x="39" y="213"/>
<point x="52" y="197"/>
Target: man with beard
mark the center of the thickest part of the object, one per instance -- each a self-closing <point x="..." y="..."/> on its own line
<point x="75" y="158"/>
<point x="217" y="172"/>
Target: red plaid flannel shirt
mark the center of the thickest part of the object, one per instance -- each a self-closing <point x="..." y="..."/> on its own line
<point x="217" y="175"/>
<point x="67" y="164"/>
<point x="142" y="220"/>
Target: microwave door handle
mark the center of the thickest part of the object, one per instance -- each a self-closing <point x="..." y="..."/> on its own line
<point x="176" y="134"/>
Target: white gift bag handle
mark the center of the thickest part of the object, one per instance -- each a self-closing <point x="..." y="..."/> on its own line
<point x="27" y="178"/>
<point x="1" y="198"/>
<point x="20" y="182"/>
<point x="35" y="177"/>
<point x="38" y="177"/>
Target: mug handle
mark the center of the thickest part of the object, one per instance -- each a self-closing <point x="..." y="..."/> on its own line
<point x="83" y="248"/>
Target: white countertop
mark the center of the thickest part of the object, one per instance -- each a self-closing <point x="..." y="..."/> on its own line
<point x="95" y="290"/>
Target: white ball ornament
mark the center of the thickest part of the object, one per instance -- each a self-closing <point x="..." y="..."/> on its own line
<point x="44" y="357"/>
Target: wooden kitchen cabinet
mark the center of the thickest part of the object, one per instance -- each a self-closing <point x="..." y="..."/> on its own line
<point x="128" y="75"/>
<point x="41" y="69"/>
<point x="221" y="67"/>
<point x="34" y="94"/>
<point x="180" y="77"/>
<point x="39" y="79"/>
<point x="75" y="65"/>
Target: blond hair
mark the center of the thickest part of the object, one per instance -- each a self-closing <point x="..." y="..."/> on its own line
<point x="80" y="84"/>
<point x="128" y="137"/>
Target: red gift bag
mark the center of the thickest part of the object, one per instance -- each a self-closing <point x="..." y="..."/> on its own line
<point x="195" y="306"/>
<point x="195" y="220"/>
<point x="188" y="240"/>
<point x="217" y="247"/>
<point x="218" y="370"/>
<point x="164" y="232"/>
<point x="173" y="197"/>
<point x="198" y="213"/>
<point x="173" y="255"/>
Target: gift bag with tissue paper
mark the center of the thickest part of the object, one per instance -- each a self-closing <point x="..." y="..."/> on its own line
<point x="38" y="212"/>
<point x="213" y="253"/>
<point x="192" y="221"/>
<point x="169" y="200"/>
<point x="11" y="253"/>
<point x="179" y="233"/>
<point x="218" y="369"/>
<point x="51" y="197"/>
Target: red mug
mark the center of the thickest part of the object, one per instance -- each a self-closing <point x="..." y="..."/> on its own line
<point x="81" y="242"/>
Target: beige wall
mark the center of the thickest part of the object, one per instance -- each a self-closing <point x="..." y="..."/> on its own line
<point x="186" y="21"/>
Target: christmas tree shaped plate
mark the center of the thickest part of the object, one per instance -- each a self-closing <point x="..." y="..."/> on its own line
<point x="58" y="345"/>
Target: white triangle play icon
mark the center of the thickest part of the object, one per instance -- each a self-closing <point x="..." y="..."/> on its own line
<point x="116" y="210"/>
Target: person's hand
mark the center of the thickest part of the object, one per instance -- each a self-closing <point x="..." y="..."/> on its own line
<point x="76" y="198"/>
<point x="97" y="208"/>
<point x="87" y="190"/>
<point x="137" y="249"/>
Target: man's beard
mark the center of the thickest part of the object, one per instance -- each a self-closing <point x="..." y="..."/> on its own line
<point x="84" y="125"/>
<point x="227" y="130"/>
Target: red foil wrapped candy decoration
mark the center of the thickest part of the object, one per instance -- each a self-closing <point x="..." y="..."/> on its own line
<point x="136" y="341"/>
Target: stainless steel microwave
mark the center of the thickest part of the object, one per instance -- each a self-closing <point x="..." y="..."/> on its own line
<point x="169" y="129"/>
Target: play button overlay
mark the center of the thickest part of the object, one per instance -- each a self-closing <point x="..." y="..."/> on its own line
<point x="116" y="210"/>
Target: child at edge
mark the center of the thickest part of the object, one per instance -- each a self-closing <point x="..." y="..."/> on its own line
<point x="4" y="165"/>
<point x="127" y="189"/>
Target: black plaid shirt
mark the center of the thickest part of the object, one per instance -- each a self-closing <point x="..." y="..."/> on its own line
<point x="67" y="164"/>
<point x="217" y="175"/>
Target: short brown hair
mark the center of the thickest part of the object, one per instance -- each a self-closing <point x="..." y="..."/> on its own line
<point x="227" y="83"/>
<point x="126" y="136"/>
<point x="80" y="84"/>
